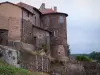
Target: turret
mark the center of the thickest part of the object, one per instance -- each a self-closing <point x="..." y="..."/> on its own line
<point x="56" y="23"/>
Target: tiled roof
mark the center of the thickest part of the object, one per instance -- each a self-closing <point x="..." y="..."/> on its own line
<point x="53" y="13"/>
<point x="28" y="7"/>
<point x="47" y="10"/>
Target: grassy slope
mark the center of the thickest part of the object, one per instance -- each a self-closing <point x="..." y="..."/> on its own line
<point x="6" y="69"/>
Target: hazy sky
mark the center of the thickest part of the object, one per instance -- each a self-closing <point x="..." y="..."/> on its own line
<point x="82" y="23"/>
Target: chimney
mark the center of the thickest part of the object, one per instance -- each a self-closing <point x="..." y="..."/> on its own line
<point x="55" y="8"/>
<point x="42" y="6"/>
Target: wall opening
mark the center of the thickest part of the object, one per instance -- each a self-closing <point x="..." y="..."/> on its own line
<point x="35" y="20"/>
<point x="35" y="42"/>
<point x="1" y="54"/>
<point x="3" y="37"/>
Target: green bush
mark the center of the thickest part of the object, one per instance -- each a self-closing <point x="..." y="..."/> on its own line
<point x="83" y="58"/>
<point x="10" y="70"/>
<point x="6" y="69"/>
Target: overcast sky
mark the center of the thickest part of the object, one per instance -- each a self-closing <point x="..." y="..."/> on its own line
<point x="83" y="22"/>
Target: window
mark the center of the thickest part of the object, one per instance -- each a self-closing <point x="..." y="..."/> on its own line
<point x="27" y="14"/>
<point x="35" y="20"/>
<point x="61" y="19"/>
<point x="3" y="37"/>
<point x="55" y="33"/>
<point x="58" y="52"/>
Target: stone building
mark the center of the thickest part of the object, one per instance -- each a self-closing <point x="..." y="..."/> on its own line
<point x="25" y="27"/>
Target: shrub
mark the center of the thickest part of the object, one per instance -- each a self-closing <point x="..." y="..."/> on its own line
<point x="83" y="58"/>
<point x="6" y="69"/>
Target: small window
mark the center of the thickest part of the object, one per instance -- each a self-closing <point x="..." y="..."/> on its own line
<point x="58" y="52"/>
<point x="55" y="33"/>
<point x="61" y="19"/>
<point x="39" y="35"/>
<point x="35" y="20"/>
<point x="27" y="14"/>
<point x="1" y="54"/>
<point x="34" y="41"/>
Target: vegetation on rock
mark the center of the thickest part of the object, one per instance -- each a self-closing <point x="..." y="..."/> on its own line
<point x="6" y="69"/>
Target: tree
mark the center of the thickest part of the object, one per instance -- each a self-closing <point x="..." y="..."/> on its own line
<point x="68" y="50"/>
<point x="95" y="55"/>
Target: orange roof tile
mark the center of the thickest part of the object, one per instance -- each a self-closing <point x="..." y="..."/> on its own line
<point x="47" y="10"/>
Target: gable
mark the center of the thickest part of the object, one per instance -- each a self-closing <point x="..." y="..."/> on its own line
<point x="10" y="19"/>
<point x="10" y="10"/>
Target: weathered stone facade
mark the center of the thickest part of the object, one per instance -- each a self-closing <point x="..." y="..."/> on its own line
<point x="10" y="19"/>
<point x="32" y="38"/>
<point x="41" y="63"/>
<point x="9" y="55"/>
<point x="24" y="59"/>
<point x="92" y="68"/>
<point x="58" y="35"/>
<point x="28" y="25"/>
<point x="35" y="63"/>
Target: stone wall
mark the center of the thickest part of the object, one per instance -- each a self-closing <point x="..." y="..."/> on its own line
<point x="34" y="62"/>
<point x="13" y="26"/>
<point x="56" y="23"/>
<point x="34" y="35"/>
<point x="38" y="63"/>
<point x="24" y="59"/>
<point x="66" y="68"/>
<point x="10" y="19"/>
<point x="27" y="32"/>
<point x="92" y="68"/>
<point x="70" y="67"/>
<point x="9" y="55"/>
<point x="42" y="38"/>
<point x="34" y="19"/>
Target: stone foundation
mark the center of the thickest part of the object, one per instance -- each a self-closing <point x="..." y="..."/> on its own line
<point x="9" y="55"/>
<point x="41" y="63"/>
<point x="34" y="62"/>
<point x="24" y="59"/>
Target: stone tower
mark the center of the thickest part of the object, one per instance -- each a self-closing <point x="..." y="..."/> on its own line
<point x="56" y="23"/>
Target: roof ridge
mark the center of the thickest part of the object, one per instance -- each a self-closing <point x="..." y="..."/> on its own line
<point x="16" y="5"/>
<point x="29" y="6"/>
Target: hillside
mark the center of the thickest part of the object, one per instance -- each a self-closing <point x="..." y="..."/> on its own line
<point x="6" y="69"/>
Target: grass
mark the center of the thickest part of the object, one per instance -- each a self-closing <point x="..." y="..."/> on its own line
<point x="6" y="69"/>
